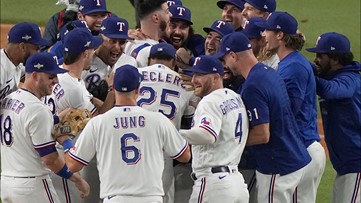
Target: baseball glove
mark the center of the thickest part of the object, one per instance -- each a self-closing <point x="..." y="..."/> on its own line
<point x="73" y="123"/>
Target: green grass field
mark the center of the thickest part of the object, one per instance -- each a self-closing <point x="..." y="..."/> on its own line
<point x="315" y="17"/>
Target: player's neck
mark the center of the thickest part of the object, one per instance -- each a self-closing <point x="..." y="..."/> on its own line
<point x="11" y="53"/>
<point x="148" y="29"/>
<point x="74" y="69"/>
<point x="125" y="99"/>
<point x="283" y="51"/>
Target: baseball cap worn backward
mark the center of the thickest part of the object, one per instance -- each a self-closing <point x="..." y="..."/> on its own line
<point x="92" y="6"/>
<point x="43" y="62"/>
<point x="238" y="3"/>
<point x="181" y="13"/>
<point x="263" y="5"/>
<point x="115" y="28"/>
<point x="251" y="30"/>
<point x="127" y="78"/>
<point x="80" y="39"/>
<point x="221" y="27"/>
<point x="331" y="42"/>
<point x="165" y="48"/>
<point x="174" y="2"/>
<point x="27" y="33"/>
<point x="207" y="65"/>
<point x="280" y="21"/>
<point x="235" y="42"/>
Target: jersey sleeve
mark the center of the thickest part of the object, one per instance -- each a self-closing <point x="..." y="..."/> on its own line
<point x="40" y="127"/>
<point x="85" y="146"/>
<point x="208" y="116"/>
<point x="174" y="143"/>
<point x="256" y="104"/>
<point x="340" y="87"/>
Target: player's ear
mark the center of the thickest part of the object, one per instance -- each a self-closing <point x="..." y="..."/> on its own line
<point x="155" y="17"/>
<point x="80" y="15"/>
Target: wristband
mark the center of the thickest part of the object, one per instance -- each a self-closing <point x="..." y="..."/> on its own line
<point x="64" y="172"/>
<point x="67" y="144"/>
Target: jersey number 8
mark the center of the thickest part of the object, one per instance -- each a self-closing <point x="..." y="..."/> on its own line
<point x="6" y="136"/>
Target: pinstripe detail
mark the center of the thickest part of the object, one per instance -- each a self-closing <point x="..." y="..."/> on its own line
<point x="201" y="191"/>
<point x="356" y="188"/>
<point x="181" y="152"/>
<point x="210" y="130"/>
<point x="295" y="196"/>
<point x="252" y="183"/>
<point x="271" y="188"/>
<point x="47" y="190"/>
<point x="66" y="190"/>
<point x="44" y="145"/>
<point x="78" y="159"/>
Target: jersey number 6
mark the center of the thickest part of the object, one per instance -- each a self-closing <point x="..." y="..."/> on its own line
<point x="130" y="154"/>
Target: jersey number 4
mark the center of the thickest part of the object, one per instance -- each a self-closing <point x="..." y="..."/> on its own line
<point x="6" y="135"/>
<point x="238" y="130"/>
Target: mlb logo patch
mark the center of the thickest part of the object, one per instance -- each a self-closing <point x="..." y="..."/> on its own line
<point x="205" y="121"/>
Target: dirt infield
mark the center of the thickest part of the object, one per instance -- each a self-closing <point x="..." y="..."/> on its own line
<point x="4" y="28"/>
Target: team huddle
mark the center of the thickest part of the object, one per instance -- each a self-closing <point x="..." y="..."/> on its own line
<point x="167" y="115"/>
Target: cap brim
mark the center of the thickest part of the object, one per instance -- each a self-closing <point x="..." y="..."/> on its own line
<point x="208" y="29"/>
<point x="117" y="36"/>
<point x="313" y="50"/>
<point x="182" y="19"/>
<point x="96" y="41"/>
<point x="263" y="25"/>
<point x="221" y="4"/>
<point x="41" y="42"/>
<point x="195" y="69"/>
<point x="96" y="11"/>
<point x="219" y="55"/>
<point x="56" y="70"/>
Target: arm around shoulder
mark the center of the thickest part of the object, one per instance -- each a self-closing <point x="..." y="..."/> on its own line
<point x="258" y="134"/>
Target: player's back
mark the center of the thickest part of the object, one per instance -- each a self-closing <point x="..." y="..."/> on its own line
<point x="161" y="90"/>
<point x="9" y="75"/>
<point x="129" y="143"/>
<point x="139" y="49"/>
<point x="20" y="116"/>
<point x="231" y="131"/>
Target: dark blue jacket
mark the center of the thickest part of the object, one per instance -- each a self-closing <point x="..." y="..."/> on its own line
<point x="340" y="103"/>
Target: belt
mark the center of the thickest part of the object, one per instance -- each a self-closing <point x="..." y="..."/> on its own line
<point x="20" y="177"/>
<point x="217" y="169"/>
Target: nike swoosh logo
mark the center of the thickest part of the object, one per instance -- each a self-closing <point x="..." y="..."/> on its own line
<point x="9" y="81"/>
<point x="92" y="71"/>
<point x="221" y="177"/>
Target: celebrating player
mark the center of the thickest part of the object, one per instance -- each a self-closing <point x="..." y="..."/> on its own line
<point x="232" y="12"/>
<point x="128" y="142"/>
<point x="339" y="86"/>
<point x="220" y="126"/>
<point x="27" y="147"/>
<point x="281" y="157"/>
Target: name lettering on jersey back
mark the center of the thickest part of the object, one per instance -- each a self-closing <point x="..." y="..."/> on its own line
<point x="58" y="91"/>
<point x="162" y="77"/>
<point x="13" y="105"/>
<point x="129" y="122"/>
<point x="231" y="104"/>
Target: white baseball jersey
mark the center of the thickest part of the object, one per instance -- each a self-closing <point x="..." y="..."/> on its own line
<point x="99" y="70"/>
<point x="223" y="114"/>
<point x="69" y="92"/>
<point x="129" y="142"/>
<point x="26" y="125"/>
<point x="9" y="75"/>
<point x="161" y="90"/>
<point x="139" y="49"/>
<point x="272" y="61"/>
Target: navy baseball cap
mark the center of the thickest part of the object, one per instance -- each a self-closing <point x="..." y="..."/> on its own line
<point x="331" y="42"/>
<point x="115" y="28"/>
<point x="43" y="62"/>
<point x="238" y="3"/>
<point x="181" y="13"/>
<point x="235" y="42"/>
<point x="263" y="5"/>
<point x="27" y="33"/>
<point x="92" y="6"/>
<point x="80" y="39"/>
<point x="70" y="26"/>
<point x="175" y="2"/>
<point x="206" y="65"/>
<point x="165" y="48"/>
<point x="127" y="78"/>
<point x="280" y="21"/>
<point x="221" y="27"/>
<point x="251" y="30"/>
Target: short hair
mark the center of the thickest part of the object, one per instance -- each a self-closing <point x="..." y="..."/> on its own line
<point x="146" y="7"/>
<point x="343" y="58"/>
<point x="294" y="41"/>
<point x="71" y="58"/>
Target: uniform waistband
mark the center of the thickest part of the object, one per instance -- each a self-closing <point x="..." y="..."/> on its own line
<point x="217" y="169"/>
<point x="43" y="176"/>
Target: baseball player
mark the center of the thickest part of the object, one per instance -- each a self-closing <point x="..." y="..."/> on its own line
<point x="232" y="12"/>
<point x="93" y="13"/>
<point x="162" y="91"/>
<point x="130" y="161"/>
<point x="220" y="127"/>
<point x="108" y="55"/>
<point x="281" y="156"/>
<point x="296" y="71"/>
<point x="338" y="85"/>
<point x="154" y="18"/>
<point x="28" y="150"/>
<point x="24" y="39"/>
<point x="70" y="92"/>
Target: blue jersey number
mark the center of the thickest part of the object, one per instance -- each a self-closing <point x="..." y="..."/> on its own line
<point x="238" y="130"/>
<point x="6" y="135"/>
<point x="51" y="103"/>
<point x="164" y="100"/>
<point x="130" y="154"/>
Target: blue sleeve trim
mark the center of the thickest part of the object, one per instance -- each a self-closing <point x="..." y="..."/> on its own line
<point x="46" y="150"/>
